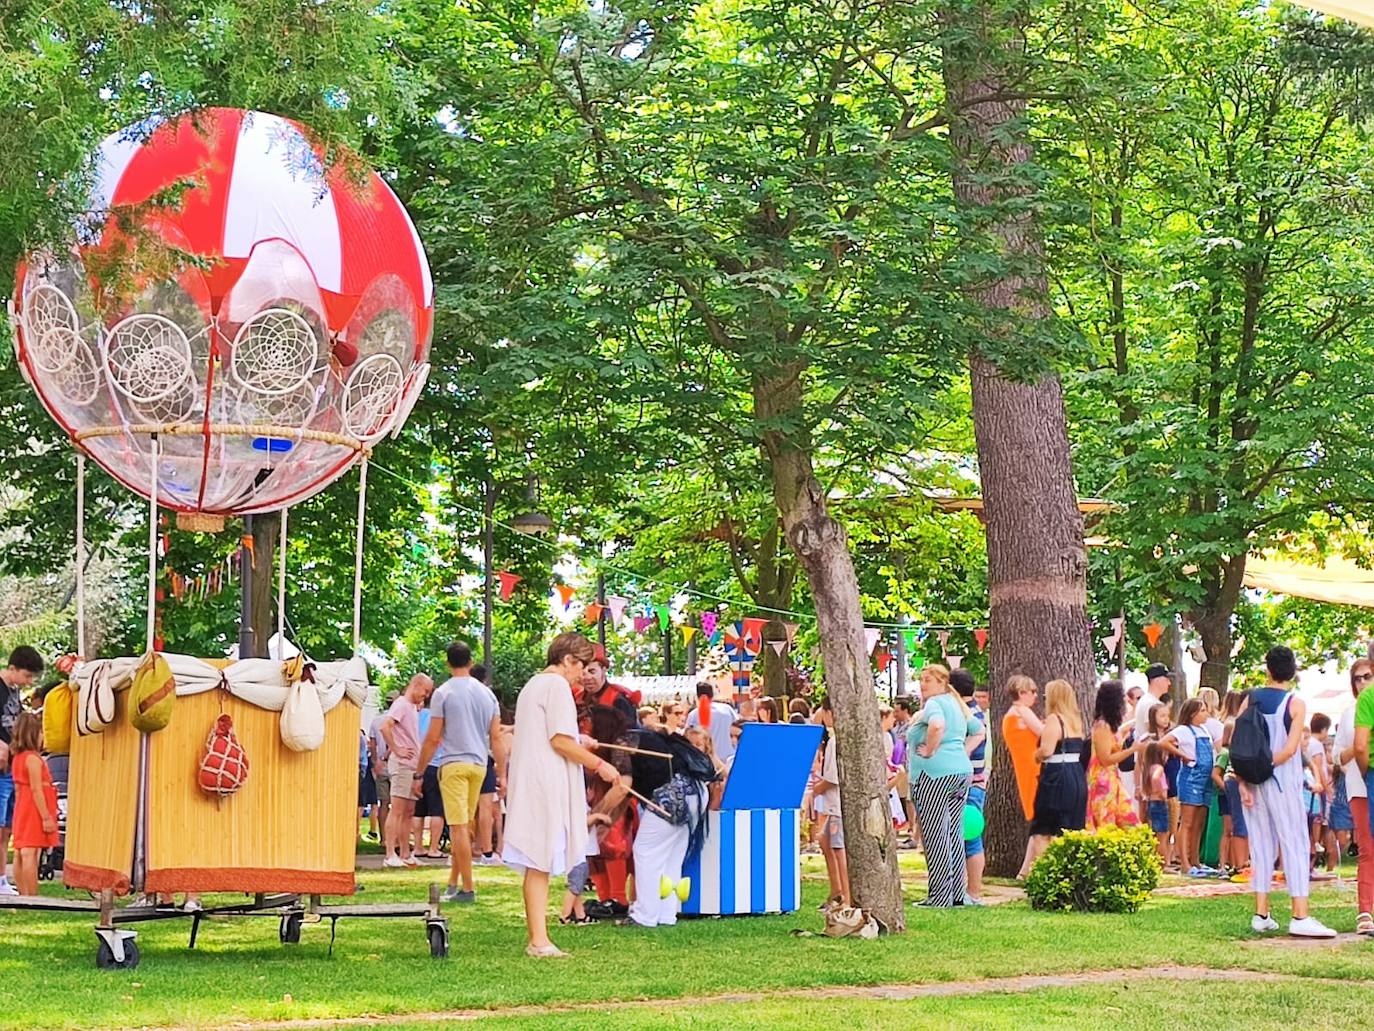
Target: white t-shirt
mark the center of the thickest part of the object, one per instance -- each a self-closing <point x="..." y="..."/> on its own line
<point x="1142" y="715"/>
<point x="1216" y="730"/>
<point x="1345" y="738"/>
<point x="830" y="771"/>
<point x="1187" y="738"/>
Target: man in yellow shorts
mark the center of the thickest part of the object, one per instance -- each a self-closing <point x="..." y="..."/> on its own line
<point x="464" y="729"/>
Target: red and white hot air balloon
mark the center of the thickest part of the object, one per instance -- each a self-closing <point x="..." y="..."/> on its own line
<point x="264" y="316"/>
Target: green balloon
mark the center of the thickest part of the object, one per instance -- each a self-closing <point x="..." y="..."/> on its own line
<point x="973" y="822"/>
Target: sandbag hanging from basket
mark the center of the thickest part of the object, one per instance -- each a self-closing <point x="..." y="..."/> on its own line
<point x="302" y="718"/>
<point x="58" y="716"/>
<point x="95" y="704"/>
<point x="224" y="766"/>
<point x="152" y="695"/>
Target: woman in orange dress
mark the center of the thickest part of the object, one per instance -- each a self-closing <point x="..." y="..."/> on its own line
<point x="1021" y="733"/>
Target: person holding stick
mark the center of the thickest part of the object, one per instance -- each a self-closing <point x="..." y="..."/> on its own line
<point x="546" y="799"/>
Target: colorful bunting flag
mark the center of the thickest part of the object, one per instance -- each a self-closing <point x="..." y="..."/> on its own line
<point x="565" y="593"/>
<point x="981" y="636"/>
<point x="1118" y="625"/>
<point x="643" y="623"/>
<point x="909" y="636"/>
<point x="593" y="612"/>
<point x="708" y="624"/>
<point x="955" y="661"/>
<point x="791" y="629"/>
<point x="665" y="618"/>
<point x="617" y="606"/>
<point x="1152" y="633"/>
<point x="753" y="627"/>
<point x="688" y="632"/>
<point x="918" y="662"/>
<point x="508" y="582"/>
<point x="943" y="635"/>
<point x="884" y="660"/>
<point x="1110" y="642"/>
<point x="871" y="635"/>
<point x="779" y="647"/>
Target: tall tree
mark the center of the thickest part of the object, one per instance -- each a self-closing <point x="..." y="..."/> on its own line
<point x="1037" y="564"/>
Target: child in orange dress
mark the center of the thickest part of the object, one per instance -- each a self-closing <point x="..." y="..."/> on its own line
<point x="35" y="801"/>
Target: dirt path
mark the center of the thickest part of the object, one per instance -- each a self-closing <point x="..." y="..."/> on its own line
<point x="888" y="992"/>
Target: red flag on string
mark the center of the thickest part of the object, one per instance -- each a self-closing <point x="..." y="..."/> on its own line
<point x="884" y="660"/>
<point x="593" y="612"/>
<point x="981" y="636"/>
<point x="508" y="582"/>
<point x="565" y="592"/>
<point x="1152" y="633"/>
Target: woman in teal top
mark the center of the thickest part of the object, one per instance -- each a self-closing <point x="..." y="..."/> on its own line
<point x="940" y="776"/>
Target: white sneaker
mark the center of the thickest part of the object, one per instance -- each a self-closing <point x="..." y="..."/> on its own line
<point x="1260" y="924"/>
<point x="1309" y="927"/>
<point x="393" y="862"/>
<point x="192" y="906"/>
<point x="6" y="888"/>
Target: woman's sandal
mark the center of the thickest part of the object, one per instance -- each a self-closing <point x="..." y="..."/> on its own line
<point x="549" y="951"/>
<point x="576" y="921"/>
<point x="1364" y="924"/>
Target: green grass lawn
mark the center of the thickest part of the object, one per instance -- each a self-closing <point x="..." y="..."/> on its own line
<point x="239" y="971"/>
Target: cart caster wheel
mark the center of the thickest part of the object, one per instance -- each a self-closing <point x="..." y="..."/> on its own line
<point x="289" y="930"/>
<point x="105" y="958"/>
<point x="438" y="941"/>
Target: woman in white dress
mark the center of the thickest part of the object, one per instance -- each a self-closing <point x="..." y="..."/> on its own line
<point x="546" y="795"/>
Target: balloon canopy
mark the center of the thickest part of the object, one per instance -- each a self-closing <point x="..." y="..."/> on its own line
<point x="263" y="314"/>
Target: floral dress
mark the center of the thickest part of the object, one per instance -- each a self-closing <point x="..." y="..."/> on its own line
<point x="1108" y="803"/>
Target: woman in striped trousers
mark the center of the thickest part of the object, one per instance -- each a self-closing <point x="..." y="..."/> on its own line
<point x="940" y="773"/>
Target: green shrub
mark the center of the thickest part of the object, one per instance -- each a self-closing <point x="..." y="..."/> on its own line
<point x="1113" y="871"/>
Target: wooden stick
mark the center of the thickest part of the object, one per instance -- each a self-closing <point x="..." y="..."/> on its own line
<point x="635" y="751"/>
<point x="653" y="805"/>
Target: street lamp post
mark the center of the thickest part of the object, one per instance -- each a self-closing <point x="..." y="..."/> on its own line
<point x="533" y="522"/>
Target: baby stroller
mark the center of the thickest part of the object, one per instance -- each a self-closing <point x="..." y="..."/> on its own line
<point x="50" y="861"/>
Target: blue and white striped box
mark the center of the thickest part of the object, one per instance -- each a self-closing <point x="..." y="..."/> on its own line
<point x="750" y="863"/>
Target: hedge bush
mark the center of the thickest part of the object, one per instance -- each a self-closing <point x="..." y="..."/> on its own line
<point x="1112" y="871"/>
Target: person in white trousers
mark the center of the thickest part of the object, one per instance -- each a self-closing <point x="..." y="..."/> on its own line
<point x="659" y="850"/>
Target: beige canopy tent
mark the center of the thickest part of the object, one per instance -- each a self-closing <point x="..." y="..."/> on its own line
<point x="1337" y="580"/>
<point x="1360" y="11"/>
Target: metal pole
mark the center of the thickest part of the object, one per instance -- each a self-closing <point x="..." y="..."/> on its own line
<point x="81" y="554"/>
<point x="152" y="544"/>
<point x="667" y="650"/>
<point x="281" y="592"/>
<point x="692" y="654"/>
<point x="601" y="600"/>
<point x="901" y="662"/>
<point x="248" y="646"/>
<point x="488" y="547"/>
<point x="357" y="556"/>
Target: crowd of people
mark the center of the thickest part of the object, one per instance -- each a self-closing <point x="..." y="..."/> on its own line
<point x="583" y="781"/>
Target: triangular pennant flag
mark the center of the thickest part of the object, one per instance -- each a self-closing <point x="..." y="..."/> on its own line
<point x="714" y="639"/>
<point x="778" y="647"/>
<point x="909" y="637"/>
<point x="617" y="606"/>
<point x="565" y="593"/>
<point x="708" y="624"/>
<point x="643" y="623"/>
<point x="981" y="636"/>
<point x="508" y="582"/>
<point x="1118" y="624"/>
<point x="943" y="635"/>
<point x="753" y="626"/>
<point x="665" y="618"/>
<point x="688" y="632"/>
<point x="955" y="661"/>
<point x="1110" y="642"/>
<point x="884" y="660"/>
<point x="871" y="635"/>
<point x="917" y="662"/>
<point x="1152" y="633"/>
<point x="791" y="629"/>
<point x="593" y="612"/>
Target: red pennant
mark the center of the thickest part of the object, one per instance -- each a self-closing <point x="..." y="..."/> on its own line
<point x="753" y="626"/>
<point x="1152" y="633"/>
<point x="981" y="636"/>
<point x="508" y="582"/>
<point x="884" y="660"/>
<point x="593" y="612"/>
<point x="565" y="592"/>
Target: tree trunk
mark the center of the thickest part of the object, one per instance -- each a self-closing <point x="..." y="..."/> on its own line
<point x="1213" y="624"/>
<point x="1036" y="559"/>
<point x="266" y="529"/>
<point x="820" y="544"/>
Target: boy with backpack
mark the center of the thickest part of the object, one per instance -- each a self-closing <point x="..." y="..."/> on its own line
<point x="1265" y="756"/>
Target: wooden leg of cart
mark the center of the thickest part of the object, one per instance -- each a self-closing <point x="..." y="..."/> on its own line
<point x="436" y="926"/>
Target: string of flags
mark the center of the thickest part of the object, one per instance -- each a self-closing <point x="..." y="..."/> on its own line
<point x="743" y="639"/>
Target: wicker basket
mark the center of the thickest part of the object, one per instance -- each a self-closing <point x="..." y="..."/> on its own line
<point x="200" y="522"/>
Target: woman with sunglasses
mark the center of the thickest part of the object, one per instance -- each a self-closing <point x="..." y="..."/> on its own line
<point x="1357" y="796"/>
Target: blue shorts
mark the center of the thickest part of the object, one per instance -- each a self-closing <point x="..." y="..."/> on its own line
<point x="1192" y="784"/>
<point x="977" y="795"/>
<point x="1340" y="818"/>
<point x="6" y="800"/>
<point x="1159" y="817"/>
<point x="1238" y="828"/>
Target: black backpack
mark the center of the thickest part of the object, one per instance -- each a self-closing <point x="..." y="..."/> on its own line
<point x="1251" y="758"/>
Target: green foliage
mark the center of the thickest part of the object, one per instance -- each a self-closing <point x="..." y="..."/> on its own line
<point x="1112" y="871"/>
